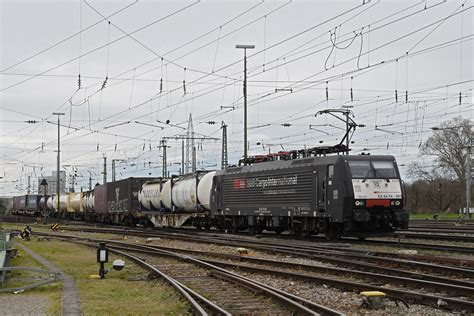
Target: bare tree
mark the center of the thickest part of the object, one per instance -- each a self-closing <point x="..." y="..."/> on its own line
<point x="433" y="188"/>
<point x="429" y="173"/>
<point x="448" y="144"/>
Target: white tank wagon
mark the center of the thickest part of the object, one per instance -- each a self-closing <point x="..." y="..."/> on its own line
<point x="184" y="193"/>
<point x="63" y="204"/>
<point x="204" y="190"/>
<point x="165" y="195"/>
<point x="179" y="199"/>
<point x="191" y="193"/>
<point x="75" y="202"/>
<point x="150" y="195"/>
<point x="46" y="204"/>
<point x="88" y="201"/>
<point x="50" y="203"/>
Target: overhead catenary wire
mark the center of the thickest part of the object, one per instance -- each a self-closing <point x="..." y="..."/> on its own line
<point x="99" y="47"/>
<point x="66" y="39"/>
<point x="312" y="27"/>
<point x="284" y="64"/>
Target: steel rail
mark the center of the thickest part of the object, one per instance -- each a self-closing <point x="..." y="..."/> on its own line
<point x="323" y="252"/>
<point x="397" y="276"/>
<point x="442" y="229"/>
<point x="316" y="251"/>
<point x="184" y="290"/>
<point x="181" y="288"/>
<point x="288" y="299"/>
<point x="415" y="235"/>
<point x="436" y="247"/>
<point x="459" y="249"/>
<point x="409" y="295"/>
<point x="291" y="301"/>
<point x="427" y="299"/>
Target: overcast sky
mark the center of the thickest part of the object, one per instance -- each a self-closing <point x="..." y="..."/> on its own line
<point x="302" y="49"/>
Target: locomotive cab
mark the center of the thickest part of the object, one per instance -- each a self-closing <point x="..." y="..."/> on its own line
<point x="377" y="199"/>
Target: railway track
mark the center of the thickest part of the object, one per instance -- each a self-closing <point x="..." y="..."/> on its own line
<point x="422" y="233"/>
<point x="435" y="263"/>
<point x="392" y="243"/>
<point x="211" y="289"/>
<point x="436" y="236"/>
<point x="364" y="267"/>
<point x="443" y="221"/>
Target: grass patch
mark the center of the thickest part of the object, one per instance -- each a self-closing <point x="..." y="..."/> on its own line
<point x="50" y="293"/>
<point x="125" y="292"/>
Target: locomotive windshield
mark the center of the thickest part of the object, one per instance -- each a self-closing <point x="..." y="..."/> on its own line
<point x="372" y="169"/>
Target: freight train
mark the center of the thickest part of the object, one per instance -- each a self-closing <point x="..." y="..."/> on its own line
<point x="337" y="195"/>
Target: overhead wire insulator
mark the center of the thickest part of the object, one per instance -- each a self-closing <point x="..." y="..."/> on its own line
<point x="327" y="92"/>
<point x="104" y="83"/>
<point x="286" y="124"/>
<point x="396" y="96"/>
<point x="406" y="96"/>
<point x="460" y="98"/>
<point x="211" y="122"/>
<point x="79" y="85"/>
<point x="161" y="85"/>
<point x="352" y="93"/>
<point x="184" y="82"/>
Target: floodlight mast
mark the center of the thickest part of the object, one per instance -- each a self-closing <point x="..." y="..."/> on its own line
<point x="245" y="47"/>
<point x="58" y="178"/>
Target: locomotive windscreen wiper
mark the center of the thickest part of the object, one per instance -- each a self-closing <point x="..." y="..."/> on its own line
<point x="386" y="178"/>
<point x="366" y="176"/>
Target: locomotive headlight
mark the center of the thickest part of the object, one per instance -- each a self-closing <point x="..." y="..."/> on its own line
<point x="359" y="203"/>
<point x="397" y="203"/>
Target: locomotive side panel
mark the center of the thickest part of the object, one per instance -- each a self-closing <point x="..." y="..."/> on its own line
<point x="287" y="192"/>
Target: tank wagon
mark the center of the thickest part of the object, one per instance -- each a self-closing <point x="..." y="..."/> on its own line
<point x="179" y="200"/>
<point x="43" y="205"/>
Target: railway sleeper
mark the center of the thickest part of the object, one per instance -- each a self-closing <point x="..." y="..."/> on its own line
<point x="413" y="297"/>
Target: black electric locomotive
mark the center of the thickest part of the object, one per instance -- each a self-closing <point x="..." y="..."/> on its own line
<point x="335" y="195"/>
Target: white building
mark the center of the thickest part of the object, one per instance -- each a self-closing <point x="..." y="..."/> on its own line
<point x="51" y="181"/>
